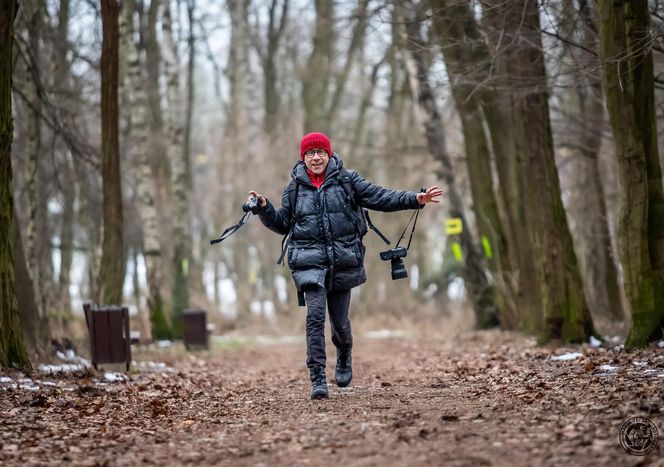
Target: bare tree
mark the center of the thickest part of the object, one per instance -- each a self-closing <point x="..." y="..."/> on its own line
<point x="480" y="291"/>
<point x="459" y="35"/>
<point x="566" y="314"/>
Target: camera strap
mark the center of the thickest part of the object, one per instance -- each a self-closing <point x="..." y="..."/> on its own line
<point x="232" y="229"/>
<point x="374" y="228"/>
<point x="403" y="234"/>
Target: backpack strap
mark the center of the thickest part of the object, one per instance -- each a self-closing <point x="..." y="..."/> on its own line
<point x="292" y="198"/>
<point x="344" y="179"/>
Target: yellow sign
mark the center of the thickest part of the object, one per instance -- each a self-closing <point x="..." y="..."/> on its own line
<point x="453" y="226"/>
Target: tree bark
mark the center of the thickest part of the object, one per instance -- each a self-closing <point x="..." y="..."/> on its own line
<point x="628" y="85"/>
<point x="12" y="348"/>
<point x="112" y="262"/>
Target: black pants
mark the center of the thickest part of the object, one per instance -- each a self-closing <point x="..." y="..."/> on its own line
<point x="342" y="338"/>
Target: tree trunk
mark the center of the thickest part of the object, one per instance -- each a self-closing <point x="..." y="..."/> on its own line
<point x="139" y="152"/>
<point x="33" y="186"/>
<point x="454" y="23"/>
<point x="355" y="45"/>
<point x="234" y="168"/>
<point x="178" y="182"/>
<point x="496" y="100"/>
<point x="66" y="246"/>
<point x="12" y="349"/>
<point x="566" y="314"/>
<point x="269" y="60"/>
<point x="582" y="105"/>
<point x="480" y="291"/>
<point x="34" y="331"/>
<point x="152" y="58"/>
<point x="628" y="86"/>
<point x="112" y="262"/>
<point x="316" y="79"/>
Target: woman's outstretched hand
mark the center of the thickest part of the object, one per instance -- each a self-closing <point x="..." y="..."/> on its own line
<point x="261" y="199"/>
<point x="430" y="196"/>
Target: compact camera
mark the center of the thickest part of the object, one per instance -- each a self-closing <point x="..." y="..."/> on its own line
<point x="394" y="256"/>
<point x="253" y="205"/>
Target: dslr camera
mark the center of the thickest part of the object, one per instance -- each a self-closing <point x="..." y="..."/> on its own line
<point x="394" y="256"/>
<point x="253" y="205"/>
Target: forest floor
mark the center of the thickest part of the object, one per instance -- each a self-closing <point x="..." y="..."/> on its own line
<point x="482" y="398"/>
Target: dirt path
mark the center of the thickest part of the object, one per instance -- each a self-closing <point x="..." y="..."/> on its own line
<point x="482" y="399"/>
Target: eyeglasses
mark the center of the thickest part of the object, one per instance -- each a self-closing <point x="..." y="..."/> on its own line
<point x="312" y="152"/>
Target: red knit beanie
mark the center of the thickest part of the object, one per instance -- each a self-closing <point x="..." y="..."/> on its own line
<point x="315" y="141"/>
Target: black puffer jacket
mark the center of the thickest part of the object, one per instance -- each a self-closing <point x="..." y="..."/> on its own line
<point x="326" y="240"/>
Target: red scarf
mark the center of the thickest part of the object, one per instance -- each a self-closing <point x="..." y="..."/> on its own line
<point x="317" y="180"/>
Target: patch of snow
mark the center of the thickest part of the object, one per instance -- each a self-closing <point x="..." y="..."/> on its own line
<point x="64" y="368"/>
<point x="567" y="356"/>
<point x="608" y="368"/>
<point x="637" y="363"/>
<point x="49" y="383"/>
<point x="660" y="344"/>
<point x="164" y="343"/>
<point x="70" y="356"/>
<point x="594" y="342"/>
<point x="29" y="387"/>
<point x="613" y="339"/>
<point x="5" y="379"/>
<point x="114" y="377"/>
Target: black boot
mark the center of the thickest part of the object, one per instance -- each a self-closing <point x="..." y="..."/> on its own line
<point x="343" y="373"/>
<point x="318" y="382"/>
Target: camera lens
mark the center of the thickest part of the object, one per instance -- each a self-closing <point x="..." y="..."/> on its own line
<point x="398" y="269"/>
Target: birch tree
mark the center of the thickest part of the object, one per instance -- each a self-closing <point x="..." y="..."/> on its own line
<point x="178" y="170"/>
<point x="139" y="153"/>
